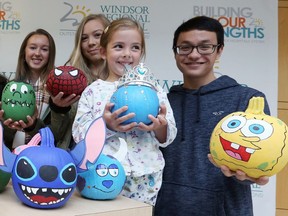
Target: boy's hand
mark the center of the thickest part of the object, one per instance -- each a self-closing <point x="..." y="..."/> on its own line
<point x="240" y="175"/>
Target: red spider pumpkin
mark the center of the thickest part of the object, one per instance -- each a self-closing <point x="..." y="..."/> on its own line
<point x="66" y="79"/>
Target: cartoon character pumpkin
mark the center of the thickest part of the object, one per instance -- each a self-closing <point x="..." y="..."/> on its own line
<point x="103" y="178"/>
<point x="66" y="79"/>
<point x="18" y="100"/>
<point x="251" y="141"/>
<point x="43" y="176"/>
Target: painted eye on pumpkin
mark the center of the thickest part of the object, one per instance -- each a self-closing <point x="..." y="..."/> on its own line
<point x="257" y="128"/>
<point x="73" y="73"/>
<point x="68" y="174"/>
<point x="101" y="170"/>
<point x="113" y="170"/>
<point x="25" y="170"/>
<point x="13" y="87"/>
<point x="58" y="72"/>
<point x="24" y="89"/>
<point x="233" y="124"/>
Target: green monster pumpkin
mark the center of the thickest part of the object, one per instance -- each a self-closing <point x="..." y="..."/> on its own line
<point x="4" y="179"/>
<point x="18" y="101"/>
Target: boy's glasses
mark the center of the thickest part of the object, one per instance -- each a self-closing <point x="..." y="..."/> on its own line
<point x="204" y="49"/>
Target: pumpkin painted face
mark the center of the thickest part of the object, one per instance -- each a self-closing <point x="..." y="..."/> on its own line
<point x="251" y="141"/>
<point x="100" y="176"/>
<point x="102" y="180"/>
<point x="43" y="176"/>
<point x="66" y="79"/>
<point x="18" y="101"/>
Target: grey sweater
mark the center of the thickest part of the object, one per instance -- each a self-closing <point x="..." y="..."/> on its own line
<point x="192" y="186"/>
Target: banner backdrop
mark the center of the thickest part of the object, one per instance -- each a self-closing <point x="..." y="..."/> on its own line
<point x="250" y="53"/>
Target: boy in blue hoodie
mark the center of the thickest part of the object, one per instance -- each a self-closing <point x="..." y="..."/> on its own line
<point x="192" y="185"/>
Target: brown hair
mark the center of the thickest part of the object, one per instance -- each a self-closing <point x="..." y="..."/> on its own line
<point x="22" y="71"/>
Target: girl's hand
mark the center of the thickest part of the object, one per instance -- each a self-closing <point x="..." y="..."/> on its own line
<point x="158" y="122"/>
<point x="159" y="125"/>
<point x="113" y="122"/>
<point x="240" y="175"/>
<point x="20" y="125"/>
<point x="61" y="101"/>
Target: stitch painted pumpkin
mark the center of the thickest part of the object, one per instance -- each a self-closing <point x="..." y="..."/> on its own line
<point x="44" y="176"/>
<point x="18" y="101"/>
<point x="66" y="79"/>
<point x="251" y="141"/>
<point x="138" y="90"/>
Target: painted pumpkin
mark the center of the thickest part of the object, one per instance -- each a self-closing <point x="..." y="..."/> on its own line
<point x="66" y="79"/>
<point x="100" y="177"/>
<point x="137" y="90"/>
<point x="140" y="99"/>
<point x="18" y="101"/>
<point x="103" y="180"/>
<point x="251" y="141"/>
<point x="4" y="179"/>
<point x="44" y="176"/>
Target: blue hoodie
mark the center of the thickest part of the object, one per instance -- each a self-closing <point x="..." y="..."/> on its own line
<point x="192" y="186"/>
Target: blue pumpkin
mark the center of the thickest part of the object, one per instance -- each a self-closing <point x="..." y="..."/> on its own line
<point x="103" y="180"/>
<point x="44" y="176"/>
<point x="140" y="99"/>
<point x="100" y="177"/>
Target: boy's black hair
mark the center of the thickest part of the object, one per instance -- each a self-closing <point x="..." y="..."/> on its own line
<point x="200" y="23"/>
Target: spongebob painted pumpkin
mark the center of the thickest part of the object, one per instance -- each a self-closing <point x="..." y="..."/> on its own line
<point x="251" y="141"/>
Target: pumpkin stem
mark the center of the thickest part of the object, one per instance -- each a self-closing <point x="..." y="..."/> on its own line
<point x="47" y="138"/>
<point x="256" y="106"/>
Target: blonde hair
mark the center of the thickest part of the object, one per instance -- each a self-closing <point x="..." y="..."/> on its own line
<point x="23" y="72"/>
<point x="77" y="59"/>
<point x="121" y="23"/>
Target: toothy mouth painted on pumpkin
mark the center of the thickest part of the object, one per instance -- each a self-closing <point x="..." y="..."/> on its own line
<point x="236" y="151"/>
<point x="18" y="103"/>
<point x="45" y="196"/>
